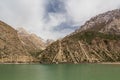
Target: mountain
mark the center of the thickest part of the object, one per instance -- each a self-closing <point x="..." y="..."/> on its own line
<point x="108" y="22"/>
<point x="31" y="42"/>
<point x="11" y="48"/>
<point x="98" y="40"/>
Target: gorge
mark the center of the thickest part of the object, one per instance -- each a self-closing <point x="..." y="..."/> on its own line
<point x="98" y="40"/>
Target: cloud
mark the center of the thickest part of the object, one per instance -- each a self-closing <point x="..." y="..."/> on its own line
<point x="81" y="10"/>
<point x="52" y="18"/>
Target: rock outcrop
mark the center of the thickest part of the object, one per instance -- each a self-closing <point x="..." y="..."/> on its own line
<point x="98" y="40"/>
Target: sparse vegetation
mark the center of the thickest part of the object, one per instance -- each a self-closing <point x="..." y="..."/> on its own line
<point x="90" y="35"/>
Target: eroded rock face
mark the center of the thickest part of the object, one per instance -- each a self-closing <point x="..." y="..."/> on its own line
<point x="11" y="48"/>
<point x="98" y="40"/>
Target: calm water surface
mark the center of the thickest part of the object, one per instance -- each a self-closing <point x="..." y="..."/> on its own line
<point x="60" y="72"/>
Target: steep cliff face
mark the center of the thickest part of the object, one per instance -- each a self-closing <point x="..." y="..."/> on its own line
<point x="11" y="48"/>
<point x="32" y="43"/>
<point x="98" y="40"/>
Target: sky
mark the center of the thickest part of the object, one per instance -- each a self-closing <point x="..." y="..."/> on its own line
<point x="52" y="19"/>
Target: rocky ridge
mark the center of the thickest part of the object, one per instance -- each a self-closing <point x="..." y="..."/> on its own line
<point x="105" y="23"/>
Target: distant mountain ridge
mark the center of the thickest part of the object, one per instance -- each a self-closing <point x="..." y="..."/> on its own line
<point x="32" y="43"/>
<point x="30" y="39"/>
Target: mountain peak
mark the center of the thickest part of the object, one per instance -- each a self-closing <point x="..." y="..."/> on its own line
<point x="108" y="22"/>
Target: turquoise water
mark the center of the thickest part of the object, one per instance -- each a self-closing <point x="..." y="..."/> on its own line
<point x="60" y="72"/>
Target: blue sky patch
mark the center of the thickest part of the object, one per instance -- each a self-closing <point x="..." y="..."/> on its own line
<point x="64" y="26"/>
<point x="55" y="6"/>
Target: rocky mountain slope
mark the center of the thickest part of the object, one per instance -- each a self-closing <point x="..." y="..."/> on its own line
<point x="108" y="22"/>
<point x="31" y="42"/>
<point x="11" y="48"/>
<point x="98" y="40"/>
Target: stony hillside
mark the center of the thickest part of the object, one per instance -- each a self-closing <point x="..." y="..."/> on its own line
<point x="11" y="48"/>
<point x="31" y="42"/>
<point x="98" y="40"/>
<point x="108" y="22"/>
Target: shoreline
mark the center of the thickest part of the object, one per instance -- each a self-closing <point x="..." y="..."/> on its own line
<point x="109" y="63"/>
<point x="22" y="63"/>
<point x="67" y="63"/>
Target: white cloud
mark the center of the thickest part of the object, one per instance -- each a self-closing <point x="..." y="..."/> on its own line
<point x="31" y="14"/>
<point x="55" y="19"/>
<point x="81" y="10"/>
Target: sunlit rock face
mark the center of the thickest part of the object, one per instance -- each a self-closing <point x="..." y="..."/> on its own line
<point x="98" y="40"/>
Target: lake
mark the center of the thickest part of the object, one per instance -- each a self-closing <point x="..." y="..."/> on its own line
<point x="59" y="72"/>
